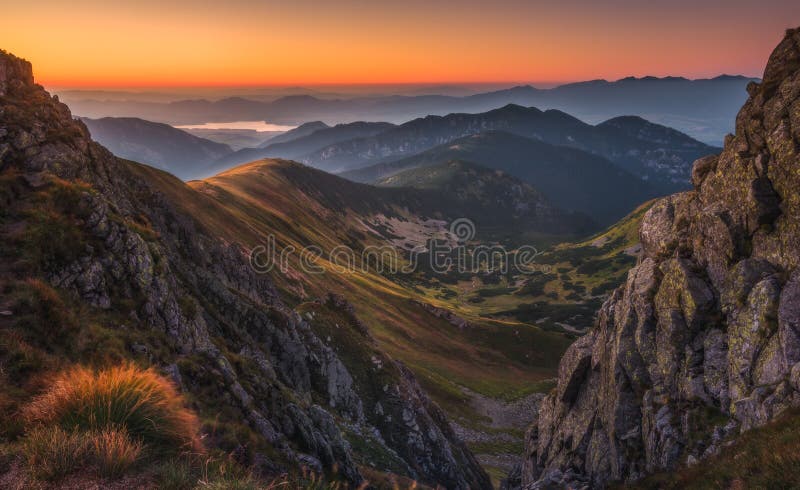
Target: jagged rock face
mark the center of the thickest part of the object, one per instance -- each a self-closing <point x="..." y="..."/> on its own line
<point x="290" y="386"/>
<point x="703" y="340"/>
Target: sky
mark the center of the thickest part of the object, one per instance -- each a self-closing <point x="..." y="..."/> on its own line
<point x="182" y="43"/>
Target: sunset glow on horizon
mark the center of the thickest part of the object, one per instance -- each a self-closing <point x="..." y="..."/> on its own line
<point x="94" y="44"/>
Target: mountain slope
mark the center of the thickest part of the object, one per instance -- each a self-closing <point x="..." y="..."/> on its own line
<point x="135" y="276"/>
<point x="493" y="197"/>
<point x="156" y="144"/>
<point x="319" y="139"/>
<point x="296" y="147"/>
<point x="325" y="207"/>
<point x="458" y="354"/>
<point x="569" y="178"/>
<point x="702" y="342"/>
<point x="664" y="156"/>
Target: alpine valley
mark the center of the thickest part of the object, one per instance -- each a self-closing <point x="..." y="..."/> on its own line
<point x="188" y="309"/>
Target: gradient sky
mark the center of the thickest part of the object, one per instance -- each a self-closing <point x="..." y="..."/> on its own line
<point x="112" y="43"/>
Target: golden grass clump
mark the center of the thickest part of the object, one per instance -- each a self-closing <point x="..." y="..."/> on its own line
<point x="51" y="452"/>
<point x="113" y="452"/>
<point x="139" y="402"/>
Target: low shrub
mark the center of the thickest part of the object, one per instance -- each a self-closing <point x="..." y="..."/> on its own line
<point x="141" y="402"/>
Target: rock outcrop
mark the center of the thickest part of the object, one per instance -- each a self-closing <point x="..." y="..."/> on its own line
<point x="231" y="342"/>
<point x="703" y="340"/>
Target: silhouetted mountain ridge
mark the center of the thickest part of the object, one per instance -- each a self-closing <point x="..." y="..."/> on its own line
<point x="303" y="130"/>
<point x="156" y="144"/>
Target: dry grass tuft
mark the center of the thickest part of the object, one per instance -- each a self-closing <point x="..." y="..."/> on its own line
<point x="140" y="402"/>
<point x="113" y="452"/>
<point x="52" y="453"/>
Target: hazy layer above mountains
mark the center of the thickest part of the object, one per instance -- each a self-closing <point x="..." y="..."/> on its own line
<point x="704" y="109"/>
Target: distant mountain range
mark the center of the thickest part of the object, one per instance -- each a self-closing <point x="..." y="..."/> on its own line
<point x="156" y="144"/>
<point x="603" y="171"/>
<point x="655" y="153"/>
<point x="703" y="108"/>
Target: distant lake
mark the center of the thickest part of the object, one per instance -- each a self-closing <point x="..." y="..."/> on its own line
<point x="260" y="126"/>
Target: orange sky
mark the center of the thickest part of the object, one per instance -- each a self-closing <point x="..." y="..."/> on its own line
<point x="108" y="43"/>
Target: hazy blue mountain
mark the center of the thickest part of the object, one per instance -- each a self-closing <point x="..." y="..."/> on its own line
<point x="327" y="136"/>
<point x="303" y="130"/>
<point x="235" y="138"/>
<point x="569" y="178"/>
<point x="160" y="145"/>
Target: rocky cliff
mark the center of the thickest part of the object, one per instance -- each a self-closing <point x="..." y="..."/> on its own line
<point x="129" y="263"/>
<point x="703" y="341"/>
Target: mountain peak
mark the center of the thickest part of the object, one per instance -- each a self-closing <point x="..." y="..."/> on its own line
<point x="13" y="71"/>
<point x="523" y="88"/>
<point x="298" y="98"/>
<point x="313" y="125"/>
<point x="39" y="133"/>
<point x="515" y="109"/>
<point x="726" y="77"/>
<point x="627" y="120"/>
<point x="652" y="78"/>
